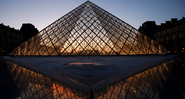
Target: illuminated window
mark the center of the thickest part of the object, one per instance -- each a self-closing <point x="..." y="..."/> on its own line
<point x="173" y="36"/>
<point x="167" y="37"/>
<point x="157" y="39"/>
<point x="180" y="35"/>
<point x="162" y="39"/>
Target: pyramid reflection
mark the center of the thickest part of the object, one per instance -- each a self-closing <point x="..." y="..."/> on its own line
<point x="67" y="82"/>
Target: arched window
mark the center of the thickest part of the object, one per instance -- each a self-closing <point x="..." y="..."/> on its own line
<point x="157" y="39"/>
<point x="162" y="39"/>
<point x="167" y="38"/>
<point x="180" y="35"/>
<point x="173" y="36"/>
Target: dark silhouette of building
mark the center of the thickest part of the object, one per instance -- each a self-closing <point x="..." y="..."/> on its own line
<point x="29" y="30"/>
<point x="10" y="38"/>
<point x="170" y="34"/>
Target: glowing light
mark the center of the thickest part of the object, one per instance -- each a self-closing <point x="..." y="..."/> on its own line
<point x="82" y="64"/>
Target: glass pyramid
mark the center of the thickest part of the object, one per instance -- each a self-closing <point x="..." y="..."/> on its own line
<point x="88" y="30"/>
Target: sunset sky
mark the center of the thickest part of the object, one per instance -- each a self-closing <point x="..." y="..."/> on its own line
<point x="42" y="13"/>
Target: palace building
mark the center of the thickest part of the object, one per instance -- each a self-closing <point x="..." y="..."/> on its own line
<point x="11" y="38"/>
<point x="171" y="34"/>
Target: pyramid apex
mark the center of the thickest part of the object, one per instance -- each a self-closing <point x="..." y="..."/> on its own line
<point x="88" y="1"/>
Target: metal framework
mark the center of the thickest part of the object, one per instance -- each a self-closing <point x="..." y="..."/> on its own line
<point x="88" y="30"/>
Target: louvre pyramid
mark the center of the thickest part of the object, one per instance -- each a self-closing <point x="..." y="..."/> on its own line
<point x="88" y="30"/>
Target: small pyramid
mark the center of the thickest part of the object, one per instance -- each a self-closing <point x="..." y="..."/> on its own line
<point x="88" y="30"/>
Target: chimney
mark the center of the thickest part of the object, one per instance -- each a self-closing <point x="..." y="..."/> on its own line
<point x="174" y="20"/>
<point x="168" y="22"/>
<point x="163" y="24"/>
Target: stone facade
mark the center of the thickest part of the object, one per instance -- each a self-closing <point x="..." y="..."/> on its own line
<point x="170" y="34"/>
<point x="10" y="38"/>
